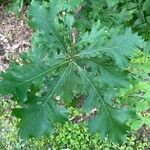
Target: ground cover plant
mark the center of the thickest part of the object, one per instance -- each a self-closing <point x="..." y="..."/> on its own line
<point x="81" y="51"/>
<point x="67" y="136"/>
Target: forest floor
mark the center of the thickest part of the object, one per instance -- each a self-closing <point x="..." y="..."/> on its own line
<point x="15" y="37"/>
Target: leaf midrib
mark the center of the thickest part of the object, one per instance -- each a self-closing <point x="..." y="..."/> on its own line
<point x="51" y="30"/>
<point x="51" y="93"/>
<point x="41" y="74"/>
<point x="102" y="101"/>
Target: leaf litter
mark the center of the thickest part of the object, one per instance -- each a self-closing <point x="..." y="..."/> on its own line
<point x="15" y="37"/>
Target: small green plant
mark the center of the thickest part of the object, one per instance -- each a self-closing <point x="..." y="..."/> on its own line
<point x="137" y="96"/>
<point x="70" y="135"/>
<point x="74" y="54"/>
<point x="15" y="6"/>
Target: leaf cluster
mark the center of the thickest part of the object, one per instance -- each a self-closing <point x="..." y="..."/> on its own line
<point x="74" y="53"/>
<point x="63" y="136"/>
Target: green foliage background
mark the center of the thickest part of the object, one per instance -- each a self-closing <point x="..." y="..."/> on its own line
<point x="70" y="135"/>
<point x="107" y="26"/>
